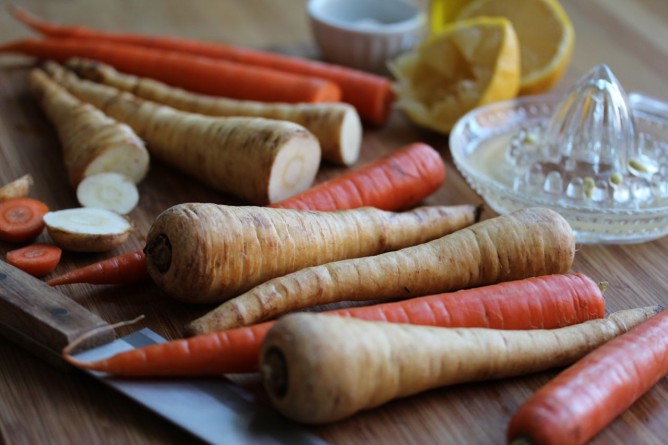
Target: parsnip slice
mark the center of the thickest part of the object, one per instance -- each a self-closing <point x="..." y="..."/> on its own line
<point x="110" y="191"/>
<point x="87" y="229"/>
<point x="18" y="188"/>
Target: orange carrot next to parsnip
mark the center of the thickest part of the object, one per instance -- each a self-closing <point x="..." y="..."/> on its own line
<point x="535" y="303"/>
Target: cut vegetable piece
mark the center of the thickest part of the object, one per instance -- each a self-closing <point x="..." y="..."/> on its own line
<point x="92" y="142"/>
<point x="87" y="229"/>
<point x="21" y="219"/>
<point x="35" y="259"/>
<point x="336" y="125"/>
<point x="18" y="188"/>
<point x="256" y="159"/>
<point x="110" y="191"/>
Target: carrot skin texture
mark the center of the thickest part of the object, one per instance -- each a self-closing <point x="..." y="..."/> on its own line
<point x="126" y="268"/>
<point x="546" y="302"/>
<point x="192" y="72"/>
<point x="396" y="181"/>
<point x="318" y="369"/>
<point x="580" y="401"/>
<point x="371" y="94"/>
<point x="35" y="259"/>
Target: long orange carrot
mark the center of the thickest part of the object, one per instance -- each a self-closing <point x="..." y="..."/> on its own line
<point x="584" y="398"/>
<point x="189" y="71"/>
<point x="394" y="182"/>
<point x="126" y="268"/>
<point x="371" y="94"/>
<point x="535" y="303"/>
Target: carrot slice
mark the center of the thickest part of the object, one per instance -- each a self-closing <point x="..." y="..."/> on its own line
<point x="35" y="259"/>
<point x="21" y="219"/>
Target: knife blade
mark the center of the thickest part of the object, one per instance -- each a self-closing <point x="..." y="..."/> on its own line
<point x="216" y="410"/>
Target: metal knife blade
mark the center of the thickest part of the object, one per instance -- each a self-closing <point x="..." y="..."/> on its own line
<point x="216" y="410"/>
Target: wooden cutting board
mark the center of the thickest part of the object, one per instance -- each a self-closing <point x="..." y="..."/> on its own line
<point x="471" y="413"/>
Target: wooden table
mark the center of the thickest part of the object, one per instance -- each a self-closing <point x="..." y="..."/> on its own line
<point x="40" y="404"/>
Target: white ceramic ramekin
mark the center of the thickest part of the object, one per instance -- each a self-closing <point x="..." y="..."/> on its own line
<point x="365" y="34"/>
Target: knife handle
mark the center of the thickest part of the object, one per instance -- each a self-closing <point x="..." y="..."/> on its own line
<point x="42" y="319"/>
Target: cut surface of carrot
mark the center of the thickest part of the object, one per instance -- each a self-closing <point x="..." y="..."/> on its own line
<point x="21" y="219"/>
<point x="35" y="259"/>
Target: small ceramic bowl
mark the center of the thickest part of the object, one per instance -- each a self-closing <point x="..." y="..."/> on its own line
<point x="365" y="34"/>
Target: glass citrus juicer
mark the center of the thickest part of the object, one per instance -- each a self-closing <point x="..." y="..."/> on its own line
<point x="596" y="155"/>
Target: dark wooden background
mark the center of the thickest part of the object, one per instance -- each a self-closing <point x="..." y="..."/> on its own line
<point x="40" y="404"/>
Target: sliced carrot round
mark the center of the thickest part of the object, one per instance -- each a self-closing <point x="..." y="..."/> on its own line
<point x="35" y="259"/>
<point x="21" y="219"/>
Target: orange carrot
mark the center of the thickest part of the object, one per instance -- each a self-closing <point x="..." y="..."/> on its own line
<point x="21" y="219"/>
<point x="127" y="268"/>
<point x="394" y="182"/>
<point x="545" y="302"/>
<point x="192" y="72"/>
<point x="370" y="94"/>
<point x="35" y="259"/>
<point x="584" y="398"/>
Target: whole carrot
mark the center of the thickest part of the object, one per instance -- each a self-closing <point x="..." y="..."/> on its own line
<point x="121" y="269"/>
<point x="535" y="303"/>
<point x="525" y="243"/>
<point x="320" y="368"/>
<point x="396" y="181"/>
<point x="578" y="403"/>
<point x="192" y="72"/>
<point x="370" y="94"/>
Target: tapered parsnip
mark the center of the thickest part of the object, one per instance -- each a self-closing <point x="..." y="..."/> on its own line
<point x="91" y="141"/>
<point x="204" y="253"/>
<point x="336" y="125"/>
<point x="526" y="243"/>
<point x="321" y="368"/>
<point x="257" y="159"/>
<point x="18" y="188"/>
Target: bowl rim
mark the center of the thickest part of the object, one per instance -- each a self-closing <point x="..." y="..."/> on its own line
<point x="416" y="20"/>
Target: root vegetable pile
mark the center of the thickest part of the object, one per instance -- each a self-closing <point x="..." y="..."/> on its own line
<point x="336" y="125"/>
<point x="203" y="253"/>
<point x="371" y="94"/>
<point x="526" y="243"/>
<point x="256" y="159"/>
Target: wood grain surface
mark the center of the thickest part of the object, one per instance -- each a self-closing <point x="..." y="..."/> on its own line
<point x="41" y="404"/>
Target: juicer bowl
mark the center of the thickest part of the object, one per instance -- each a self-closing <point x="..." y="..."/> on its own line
<point x="480" y="142"/>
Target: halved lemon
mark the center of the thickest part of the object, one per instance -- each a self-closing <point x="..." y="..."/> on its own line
<point x="467" y="64"/>
<point x="545" y="33"/>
